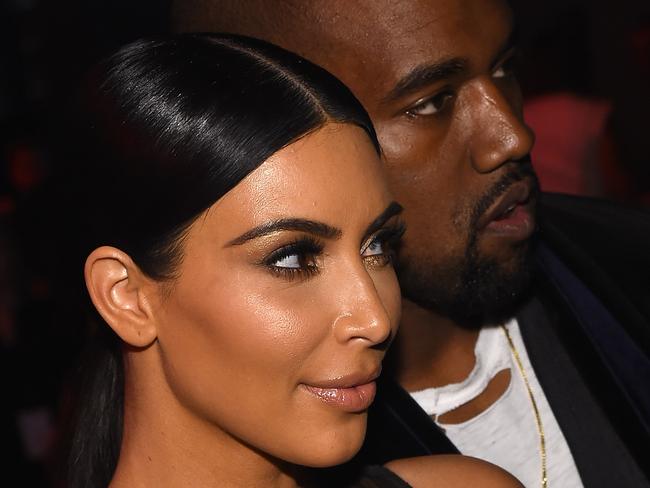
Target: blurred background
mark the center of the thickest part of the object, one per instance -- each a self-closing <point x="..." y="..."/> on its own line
<point x="585" y="73"/>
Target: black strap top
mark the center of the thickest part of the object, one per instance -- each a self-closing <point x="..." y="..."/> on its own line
<point x="379" y="477"/>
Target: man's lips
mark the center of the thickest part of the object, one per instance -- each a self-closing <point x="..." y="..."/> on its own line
<point x="511" y="215"/>
<point x="351" y="393"/>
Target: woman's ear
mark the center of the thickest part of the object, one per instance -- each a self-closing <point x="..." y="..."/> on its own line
<point x="120" y="292"/>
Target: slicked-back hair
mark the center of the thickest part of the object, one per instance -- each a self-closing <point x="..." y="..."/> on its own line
<point x="165" y="128"/>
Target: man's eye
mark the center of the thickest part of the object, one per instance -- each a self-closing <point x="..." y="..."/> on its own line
<point x="500" y="72"/>
<point x="503" y="71"/>
<point x="507" y="68"/>
<point x="431" y="105"/>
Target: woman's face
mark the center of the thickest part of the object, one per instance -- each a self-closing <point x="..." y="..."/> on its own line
<point x="286" y="300"/>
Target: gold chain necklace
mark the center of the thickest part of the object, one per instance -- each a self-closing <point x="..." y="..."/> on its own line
<point x="538" y="418"/>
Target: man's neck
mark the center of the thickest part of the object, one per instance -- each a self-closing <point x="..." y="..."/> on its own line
<point x="432" y="350"/>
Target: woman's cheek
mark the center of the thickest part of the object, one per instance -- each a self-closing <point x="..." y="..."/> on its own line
<point x="389" y="292"/>
<point x="290" y="319"/>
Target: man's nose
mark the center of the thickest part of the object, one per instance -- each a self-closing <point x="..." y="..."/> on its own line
<point x="361" y="313"/>
<point x="499" y="134"/>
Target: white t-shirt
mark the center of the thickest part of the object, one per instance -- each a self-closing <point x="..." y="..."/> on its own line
<point x="506" y="433"/>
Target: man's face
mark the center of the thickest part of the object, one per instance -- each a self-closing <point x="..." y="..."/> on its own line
<point x="435" y="76"/>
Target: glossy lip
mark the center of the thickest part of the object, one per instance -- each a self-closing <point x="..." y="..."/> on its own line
<point x="517" y="195"/>
<point x="352" y="393"/>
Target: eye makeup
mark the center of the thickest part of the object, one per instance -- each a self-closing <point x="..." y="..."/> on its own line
<point x="305" y="251"/>
<point x="387" y="239"/>
<point x="300" y="258"/>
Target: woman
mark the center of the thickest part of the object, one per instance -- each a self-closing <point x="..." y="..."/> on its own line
<point x="240" y="240"/>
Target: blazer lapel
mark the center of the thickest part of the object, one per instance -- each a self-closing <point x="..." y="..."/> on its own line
<point x="601" y="426"/>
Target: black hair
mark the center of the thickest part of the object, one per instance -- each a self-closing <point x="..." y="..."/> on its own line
<point x="165" y="128"/>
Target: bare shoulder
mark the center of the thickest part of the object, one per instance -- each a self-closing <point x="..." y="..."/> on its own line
<point x="451" y="471"/>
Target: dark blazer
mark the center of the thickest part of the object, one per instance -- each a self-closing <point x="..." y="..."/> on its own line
<point x="586" y="327"/>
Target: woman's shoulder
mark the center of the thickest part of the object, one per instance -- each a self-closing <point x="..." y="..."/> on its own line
<point x="451" y="471"/>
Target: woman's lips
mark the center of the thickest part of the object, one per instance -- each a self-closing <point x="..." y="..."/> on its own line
<point x="350" y="399"/>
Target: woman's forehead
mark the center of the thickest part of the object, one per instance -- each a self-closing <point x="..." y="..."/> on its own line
<point x="330" y="173"/>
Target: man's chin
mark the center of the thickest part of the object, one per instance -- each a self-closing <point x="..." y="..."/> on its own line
<point x="470" y="291"/>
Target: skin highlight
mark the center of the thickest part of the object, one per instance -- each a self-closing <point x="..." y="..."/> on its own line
<point x="436" y="79"/>
<point x="260" y="355"/>
<point x="451" y="471"/>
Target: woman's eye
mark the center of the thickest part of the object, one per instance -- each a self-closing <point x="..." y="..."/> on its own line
<point x="298" y="259"/>
<point x="292" y="261"/>
<point x="431" y="105"/>
<point x="380" y="248"/>
<point x="374" y="248"/>
<point x="375" y="253"/>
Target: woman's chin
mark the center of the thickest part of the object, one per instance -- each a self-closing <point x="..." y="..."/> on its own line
<point x="333" y="458"/>
<point x="334" y="448"/>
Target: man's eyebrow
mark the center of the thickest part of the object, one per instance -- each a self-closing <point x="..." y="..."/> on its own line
<point x="424" y="75"/>
<point x="393" y="209"/>
<point x="304" y="225"/>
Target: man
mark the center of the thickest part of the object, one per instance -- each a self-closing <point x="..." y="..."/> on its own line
<point x="560" y="392"/>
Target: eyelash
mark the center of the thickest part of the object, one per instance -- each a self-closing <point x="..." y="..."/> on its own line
<point x="307" y="249"/>
<point x="306" y="246"/>
<point x="389" y="237"/>
<point x="441" y="99"/>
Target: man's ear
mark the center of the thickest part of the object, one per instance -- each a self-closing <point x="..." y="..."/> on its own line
<point x="120" y="292"/>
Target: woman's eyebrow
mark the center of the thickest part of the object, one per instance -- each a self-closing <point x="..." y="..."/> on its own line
<point x="310" y="226"/>
<point x="393" y="209"/>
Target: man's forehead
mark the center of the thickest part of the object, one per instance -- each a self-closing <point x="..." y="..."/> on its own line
<point x="369" y="44"/>
<point x="379" y="22"/>
<point x="373" y="43"/>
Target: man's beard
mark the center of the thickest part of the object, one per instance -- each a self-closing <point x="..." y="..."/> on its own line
<point x="472" y="289"/>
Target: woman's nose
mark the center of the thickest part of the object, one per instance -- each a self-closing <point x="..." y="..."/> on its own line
<point x="362" y="313"/>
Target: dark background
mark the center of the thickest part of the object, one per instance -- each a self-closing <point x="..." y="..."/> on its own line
<point x="597" y="49"/>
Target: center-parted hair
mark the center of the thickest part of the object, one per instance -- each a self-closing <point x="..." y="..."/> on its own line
<point x="166" y="127"/>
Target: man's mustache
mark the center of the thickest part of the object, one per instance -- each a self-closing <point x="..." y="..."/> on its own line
<point x="517" y="171"/>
